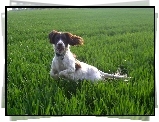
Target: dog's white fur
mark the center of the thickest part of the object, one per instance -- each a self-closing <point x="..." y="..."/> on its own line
<point x="64" y="66"/>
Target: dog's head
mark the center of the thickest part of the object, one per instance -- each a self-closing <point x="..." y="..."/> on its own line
<point x="61" y="40"/>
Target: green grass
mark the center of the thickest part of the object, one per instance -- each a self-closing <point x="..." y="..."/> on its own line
<point x="113" y="38"/>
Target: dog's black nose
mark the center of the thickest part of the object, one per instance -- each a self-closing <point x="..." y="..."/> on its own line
<point x="60" y="44"/>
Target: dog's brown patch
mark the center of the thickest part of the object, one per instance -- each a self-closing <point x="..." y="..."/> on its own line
<point x="77" y="65"/>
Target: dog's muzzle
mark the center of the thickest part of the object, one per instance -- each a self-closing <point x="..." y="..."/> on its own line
<point x="60" y="48"/>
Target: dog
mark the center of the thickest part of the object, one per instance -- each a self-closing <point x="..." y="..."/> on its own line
<point x="65" y="65"/>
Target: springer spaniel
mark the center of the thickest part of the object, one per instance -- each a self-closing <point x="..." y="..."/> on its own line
<point x="65" y="64"/>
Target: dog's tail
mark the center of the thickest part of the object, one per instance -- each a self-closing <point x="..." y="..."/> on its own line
<point x="117" y="75"/>
<point x="113" y="76"/>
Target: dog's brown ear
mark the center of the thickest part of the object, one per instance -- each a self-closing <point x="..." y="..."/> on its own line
<point x="74" y="40"/>
<point x="52" y="35"/>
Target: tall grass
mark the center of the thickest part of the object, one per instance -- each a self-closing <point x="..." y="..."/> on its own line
<point x="113" y="38"/>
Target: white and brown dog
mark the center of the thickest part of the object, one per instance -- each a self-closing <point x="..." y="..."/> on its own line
<point x="65" y="64"/>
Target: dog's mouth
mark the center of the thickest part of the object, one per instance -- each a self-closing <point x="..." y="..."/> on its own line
<point x="60" y="49"/>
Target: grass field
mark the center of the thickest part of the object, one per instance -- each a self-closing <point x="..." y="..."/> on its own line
<point x="114" y="37"/>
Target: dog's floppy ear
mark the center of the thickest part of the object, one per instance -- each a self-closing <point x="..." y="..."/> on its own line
<point x="73" y="39"/>
<point x="52" y="35"/>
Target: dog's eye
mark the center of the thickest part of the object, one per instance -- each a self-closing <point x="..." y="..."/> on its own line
<point x="57" y="38"/>
<point x="63" y="38"/>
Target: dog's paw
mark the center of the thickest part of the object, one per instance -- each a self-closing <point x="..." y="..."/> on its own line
<point x="61" y="74"/>
<point x="55" y="76"/>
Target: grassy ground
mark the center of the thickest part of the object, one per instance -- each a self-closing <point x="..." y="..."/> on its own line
<point x="113" y="38"/>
